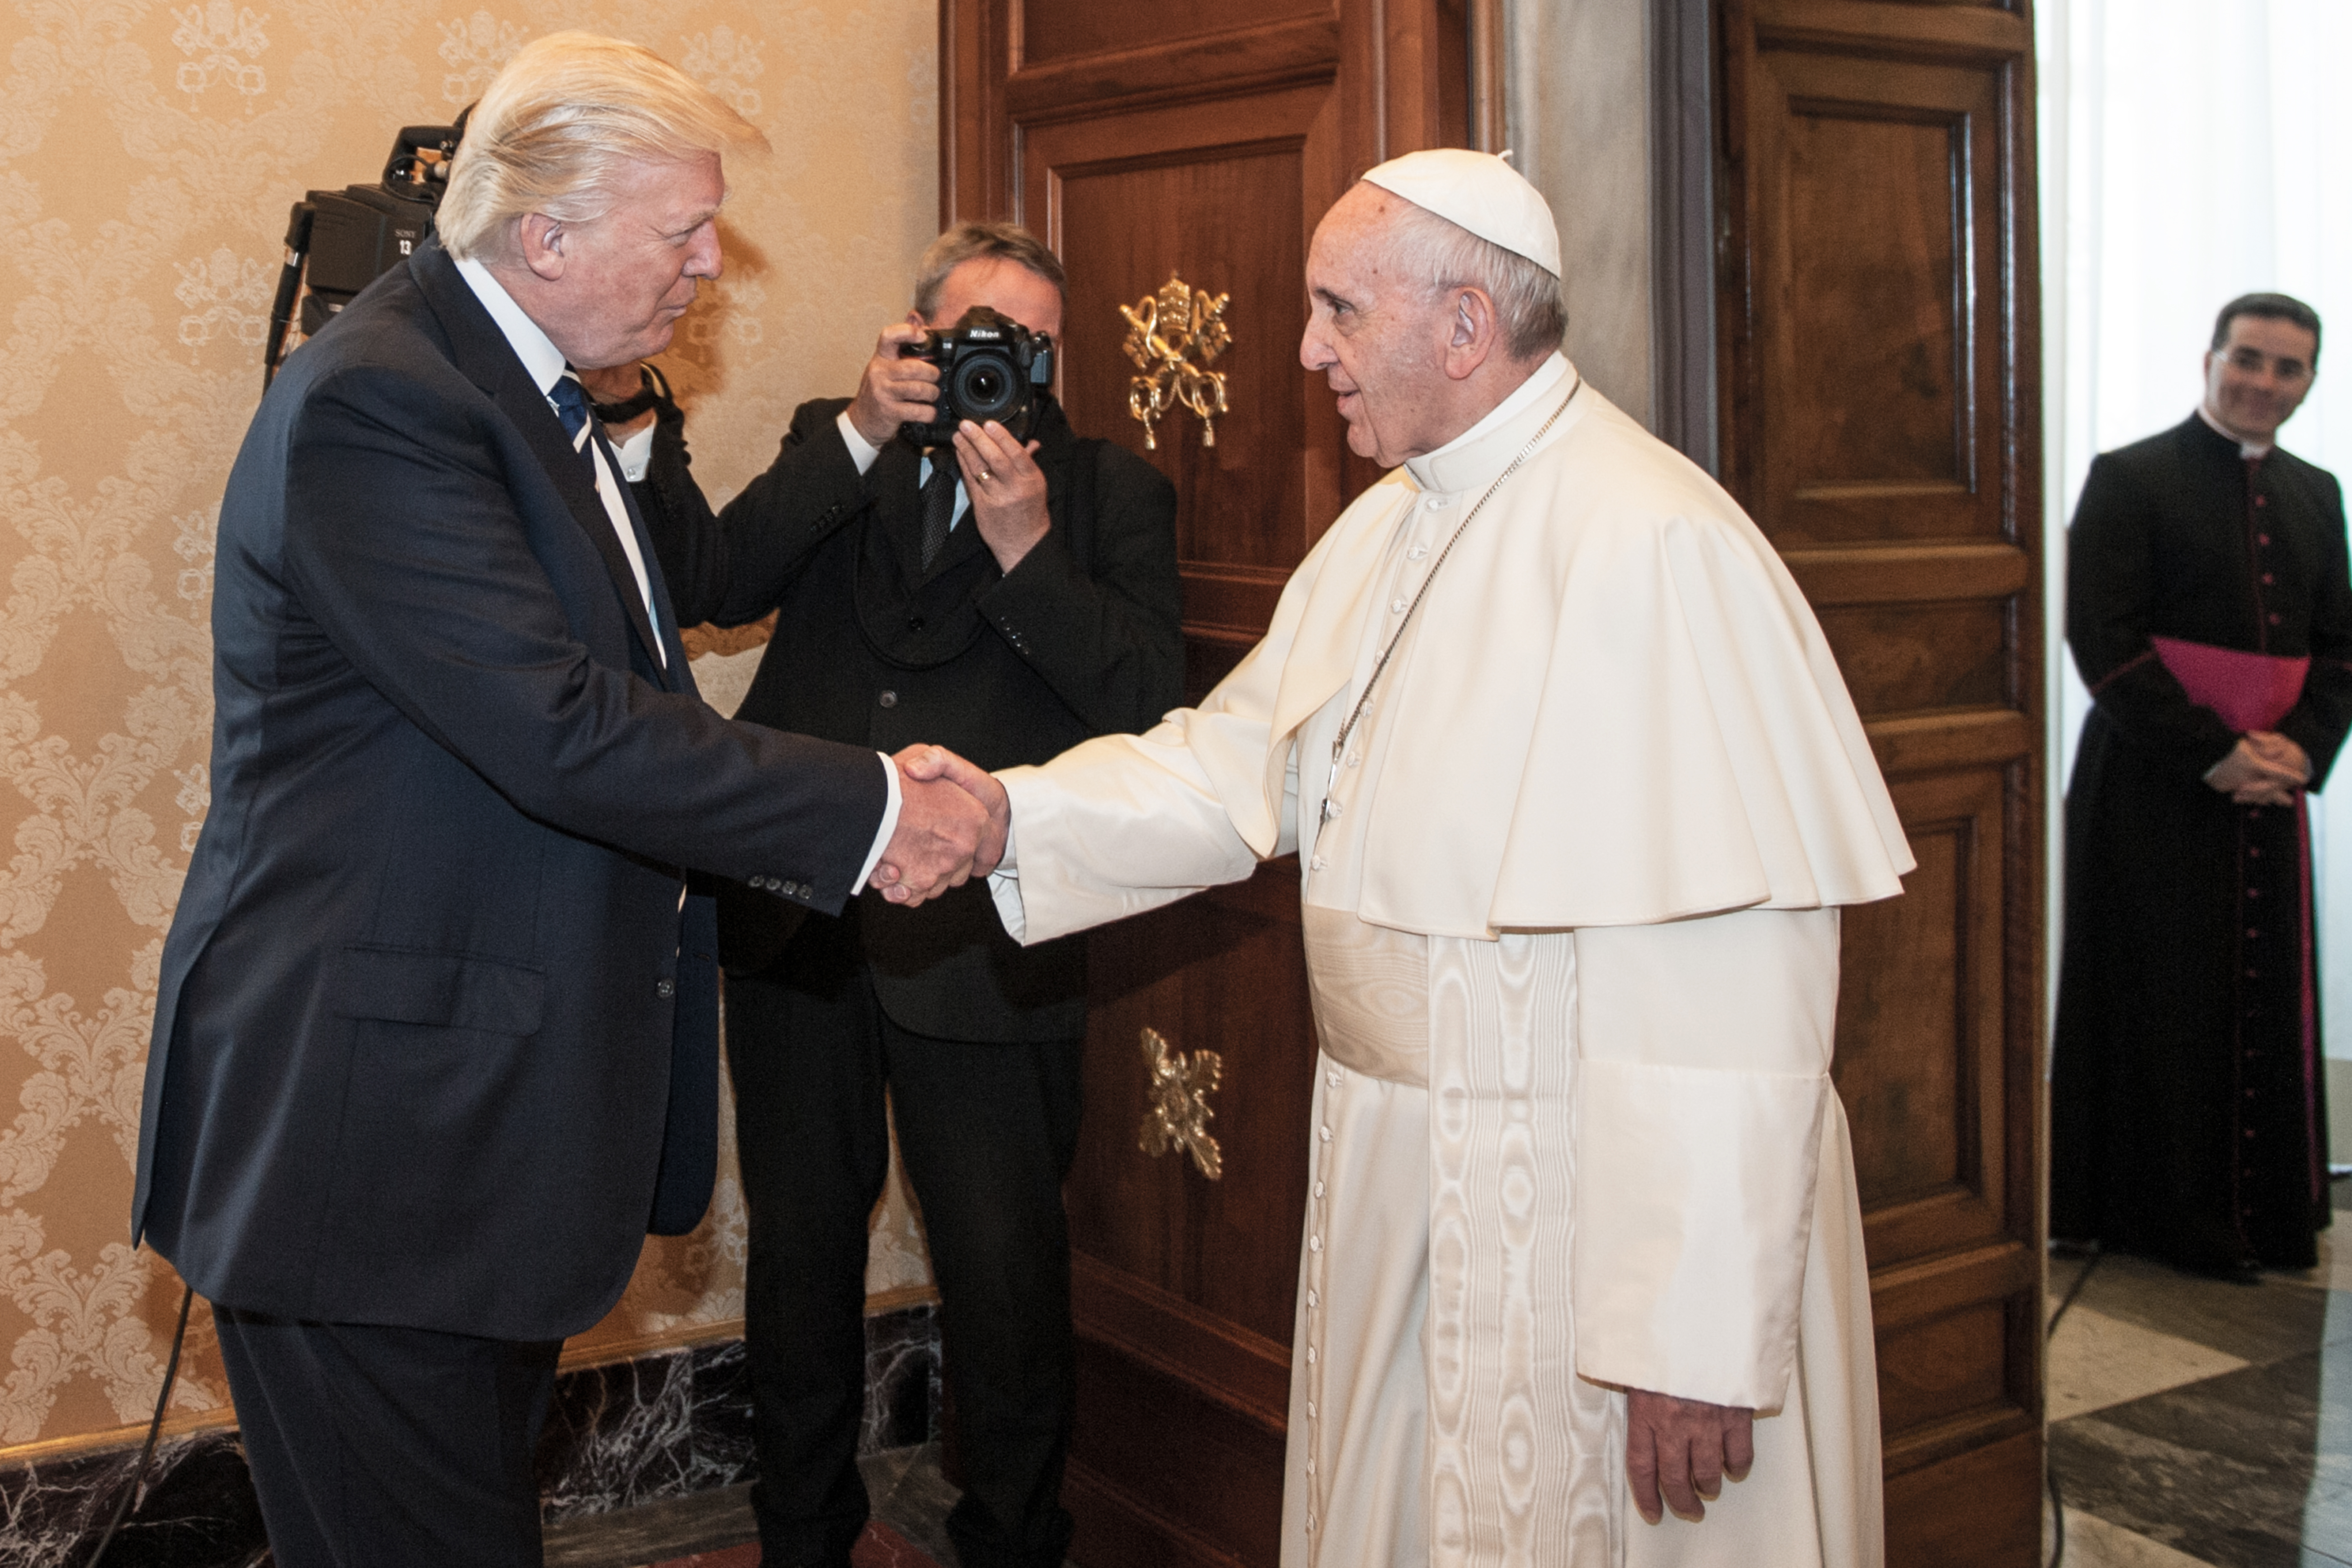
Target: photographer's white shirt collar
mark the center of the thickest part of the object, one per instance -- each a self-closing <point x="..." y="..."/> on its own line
<point x="863" y="452"/>
<point x="544" y="364"/>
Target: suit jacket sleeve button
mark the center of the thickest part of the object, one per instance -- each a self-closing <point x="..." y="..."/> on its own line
<point x="664" y="989"/>
<point x="889" y="699"/>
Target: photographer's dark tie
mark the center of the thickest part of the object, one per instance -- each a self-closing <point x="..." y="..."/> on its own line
<point x="571" y="400"/>
<point x="939" y="503"/>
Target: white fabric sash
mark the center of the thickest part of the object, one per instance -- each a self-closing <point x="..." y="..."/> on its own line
<point x="1372" y="996"/>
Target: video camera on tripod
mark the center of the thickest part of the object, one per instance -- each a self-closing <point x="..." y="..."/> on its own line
<point x="338" y="241"/>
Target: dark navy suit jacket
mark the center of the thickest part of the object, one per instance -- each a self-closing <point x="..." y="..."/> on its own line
<point x="435" y="1043"/>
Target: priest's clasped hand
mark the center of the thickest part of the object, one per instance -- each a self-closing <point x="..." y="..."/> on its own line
<point x="2264" y="768"/>
<point x="1678" y="1452"/>
<point x="952" y="821"/>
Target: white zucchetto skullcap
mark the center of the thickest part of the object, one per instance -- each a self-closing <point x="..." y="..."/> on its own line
<point x="1481" y="193"/>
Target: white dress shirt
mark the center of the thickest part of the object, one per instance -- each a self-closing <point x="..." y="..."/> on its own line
<point x="544" y="362"/>
<point x="863" y="452"/>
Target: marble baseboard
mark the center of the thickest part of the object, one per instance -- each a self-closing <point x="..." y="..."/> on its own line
<point x="198" y="1507"/>
<point x="671" y="1425"/>
<point x="667" y="1425"/>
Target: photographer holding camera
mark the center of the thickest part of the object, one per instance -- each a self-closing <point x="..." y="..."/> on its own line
<point x="949" y="562"/>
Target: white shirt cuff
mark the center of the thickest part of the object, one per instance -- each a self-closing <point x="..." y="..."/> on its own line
<point x="636" y="454"/>
<point x="882" y="834"/>
<point x="1004" y="891"/>
<point x="862" y="452"/>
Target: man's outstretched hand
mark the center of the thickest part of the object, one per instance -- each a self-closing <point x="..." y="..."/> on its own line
<point x="952" y="821"/>
<point x="1678" y="1451"/>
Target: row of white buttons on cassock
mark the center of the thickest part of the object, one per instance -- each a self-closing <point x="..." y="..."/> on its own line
<point x="1424" y="530"/>
<point x="1318" y="1215"/>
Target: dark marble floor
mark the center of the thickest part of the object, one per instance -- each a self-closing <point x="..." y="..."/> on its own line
<point x="2196" y="1424"/>
<point x="908" y="1494"/>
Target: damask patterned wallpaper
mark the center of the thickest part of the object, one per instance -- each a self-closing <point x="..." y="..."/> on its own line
<point x="148" y="155"/>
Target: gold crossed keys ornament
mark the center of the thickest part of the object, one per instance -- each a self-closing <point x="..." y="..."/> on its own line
<point x="1172" y="336"/>
<point x="1178" y="1117"/>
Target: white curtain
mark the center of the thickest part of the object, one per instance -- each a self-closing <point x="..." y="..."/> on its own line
<point x="2191" y="151"/>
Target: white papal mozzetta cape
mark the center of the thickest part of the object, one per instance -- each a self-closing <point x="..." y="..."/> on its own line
<point x="1571" y="927"/>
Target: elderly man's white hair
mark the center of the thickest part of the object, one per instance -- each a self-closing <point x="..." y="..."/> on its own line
<point x="1444" y="255"/>
<point x="558" y="126"/>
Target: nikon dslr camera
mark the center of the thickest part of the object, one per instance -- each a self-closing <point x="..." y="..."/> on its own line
<point x="991" y="367"/>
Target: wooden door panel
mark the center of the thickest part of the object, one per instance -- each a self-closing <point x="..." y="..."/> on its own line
<point x="1878" y="334"/>
<point x="1059" y="32"/>
<point x="1878" y="391"/>
<point x="1217" y="972"/>
<point x="1177" y="191"/>
<point x="1206" y="141"/>
<point x="1940" y="1514"/>
<point x="1900" y="658"/>
<point x="1943" y="1367"/>
<point x="1921" y="1026"/>
<point x="1193" y="1483"/>
<point x="1879" y="229"/>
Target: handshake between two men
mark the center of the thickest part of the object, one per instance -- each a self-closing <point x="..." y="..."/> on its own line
<point x="953" y="819"/>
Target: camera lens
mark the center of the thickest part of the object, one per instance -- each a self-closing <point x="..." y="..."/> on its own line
<point x="985" y="389"/>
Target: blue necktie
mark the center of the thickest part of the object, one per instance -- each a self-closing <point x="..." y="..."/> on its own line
<point x="571" y="400"/>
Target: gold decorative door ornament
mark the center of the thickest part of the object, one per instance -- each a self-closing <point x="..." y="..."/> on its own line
<point x="1178" y="1115"/>
<point x="1172" y="336"/>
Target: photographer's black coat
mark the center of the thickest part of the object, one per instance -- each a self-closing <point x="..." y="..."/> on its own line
<point x="1083" y="638"/>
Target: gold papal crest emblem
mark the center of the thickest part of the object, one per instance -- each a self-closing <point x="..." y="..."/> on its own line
<point x="1172" y="336"/>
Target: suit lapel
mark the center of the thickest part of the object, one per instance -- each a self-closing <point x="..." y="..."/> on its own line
<point x="481" y="351"/>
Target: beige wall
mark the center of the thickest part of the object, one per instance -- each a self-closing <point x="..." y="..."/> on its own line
<point x="148" y="153"/>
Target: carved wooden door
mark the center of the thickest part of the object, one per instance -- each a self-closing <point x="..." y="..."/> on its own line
<point x="1204" y="139"/>
<point x="1878" y="307"/>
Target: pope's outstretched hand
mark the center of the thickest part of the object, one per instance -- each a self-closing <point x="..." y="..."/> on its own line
<point x="952" y="822"/>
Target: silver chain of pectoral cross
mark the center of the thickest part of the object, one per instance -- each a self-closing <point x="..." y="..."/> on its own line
<point x="1364" y="701"/>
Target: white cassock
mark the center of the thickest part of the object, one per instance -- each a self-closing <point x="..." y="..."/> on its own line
<point x="1572" y="934"/>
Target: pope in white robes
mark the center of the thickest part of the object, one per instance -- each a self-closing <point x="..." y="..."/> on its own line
<point x="1576" y="791"/>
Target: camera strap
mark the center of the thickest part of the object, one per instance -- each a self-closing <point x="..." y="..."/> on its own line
<point x="653" y="392"/>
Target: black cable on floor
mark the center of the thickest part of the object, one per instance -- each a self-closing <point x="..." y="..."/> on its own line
<point x="2057" y="1515"/>
<point x="2049" y="1464"/>
<point x="2072" y="1292"/>
<point x="154" y="1430"/>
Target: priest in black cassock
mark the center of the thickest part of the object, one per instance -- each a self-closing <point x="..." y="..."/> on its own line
<point x="2210" y="615"/>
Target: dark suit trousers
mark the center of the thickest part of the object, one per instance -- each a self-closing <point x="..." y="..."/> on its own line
<point x="988" y="1132"/>
<point x="384" y="1448"/>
